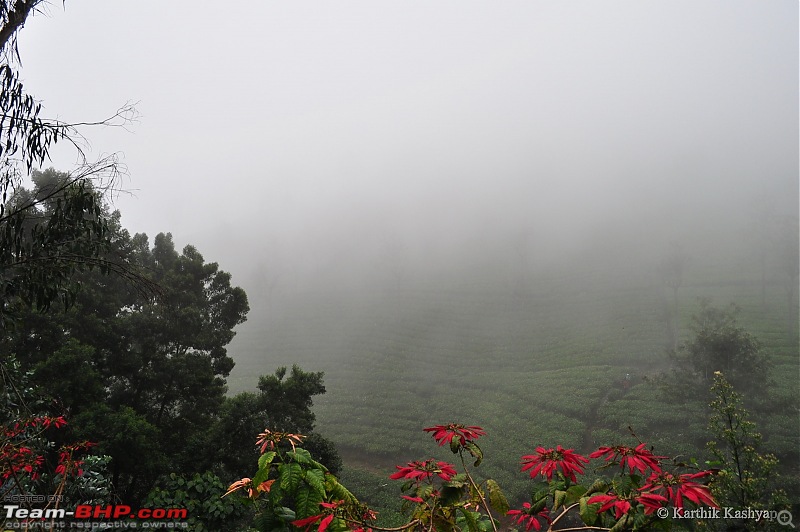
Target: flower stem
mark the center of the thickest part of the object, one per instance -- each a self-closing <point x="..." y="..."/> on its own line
<point x="477" y="490"/>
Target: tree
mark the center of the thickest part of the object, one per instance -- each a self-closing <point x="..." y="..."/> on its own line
<point x="151" y="370"/>
<point x="202" y="497"/>
<point x="747" y="478"/>
<point x="294" y="395"/>
<point x="282" y="404"/>
<point x="671" y="271"/>
<point x="721" y="344"/>
<point x="48" y="236"/>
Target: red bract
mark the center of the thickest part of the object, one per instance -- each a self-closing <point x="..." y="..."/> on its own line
<point x="621" y="506"/>
<point x="530" y="519"/>
<point x="57" y="422"/>
<point x="268" y="439"/>
<point x="651" y="502"/>
<point x="678" y="487"/>
<point x="445" y="433"/>
<point x="546" y="461"/>
<point x="19" y="460"/>
<point x="326" y="518"/>
<point x="418" y="471"/>
<point x="640" y="457"/>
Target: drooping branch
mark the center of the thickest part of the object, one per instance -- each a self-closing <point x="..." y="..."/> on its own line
<point x="13" y="19"/>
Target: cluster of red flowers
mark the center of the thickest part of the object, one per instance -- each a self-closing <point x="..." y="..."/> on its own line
<point x="419" y="471"/>
<point x="269" y="438"/>
<point x="15" y="456"/>
<point x="66" y="462"/>
<point x="44" y="422"/>
<point x="460" y="433"/>
<point x="328" y="515"/>
<point x="19" y="460"/>
<point x="676" y="487"/>
<point x="639" y="457"/>
<point x="528" y="517"/>
<point x="661" y="488"/>
<point x="548" y="461"/>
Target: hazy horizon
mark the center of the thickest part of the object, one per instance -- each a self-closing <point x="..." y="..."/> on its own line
<point x="340" y="142"/>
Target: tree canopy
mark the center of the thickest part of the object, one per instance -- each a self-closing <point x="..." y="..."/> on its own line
<point x="721" y="344"/>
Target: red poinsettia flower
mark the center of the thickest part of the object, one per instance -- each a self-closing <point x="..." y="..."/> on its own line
<point x="419" y="471"/>
<point x="268" y="439"/>
<point x="639" y="457"/>
<point x="446" y="433"/>
<point x="530" y="519"/>
<point x="620" y="505"/>
<point x="547" y="461"/>
<point x="323" y="518"/>
<point x="678" y="487"/>
<point x="651" y="502"/>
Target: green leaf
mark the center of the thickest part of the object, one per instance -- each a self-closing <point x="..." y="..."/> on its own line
<point x="265" y="459"/>
<point x="450" y="495"/>
<point x="307" y="502"/>
<point x="621" y="524"/>
<point x="598" y="486"/>
<point x="574" y="493"/>
<point x="455" y="444"/>
<point x="453" y="483"/>
<point x="285" y="513"/>
<point x="469" y="517"/>
<point x="300" y="456"/>
<point x="559" y="498"/>
<point x="261" y="476"/>
<point x="497" y="498"/>
<point x="316" y="479"/>
<point x="290" y="475"/>
<point x="475" y="451"/>
<point x="588" y="512"/>
<point x="337" y="491"/>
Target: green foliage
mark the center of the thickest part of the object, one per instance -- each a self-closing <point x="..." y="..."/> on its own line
<point x="36" y="455"/>
<point x="644" y="491"/>
<point x="746" y="478"/>
<point x="202" y="496"/>
<point x="290" y="488"/>
<point x="283" y="405"/>
<point x="46" y="237"/>
<point x="721" y="344"/>
<point x="143" y="376"/>
<point x="294" y="395"/>
<point x="93" y="486"/>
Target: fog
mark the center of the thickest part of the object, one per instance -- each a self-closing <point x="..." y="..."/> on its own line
<point x="362" y="146"/>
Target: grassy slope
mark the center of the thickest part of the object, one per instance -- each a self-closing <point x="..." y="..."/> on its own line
<point x="541" y="368"/>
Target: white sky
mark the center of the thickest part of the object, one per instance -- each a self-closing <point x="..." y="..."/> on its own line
<point x="264" y="124"/>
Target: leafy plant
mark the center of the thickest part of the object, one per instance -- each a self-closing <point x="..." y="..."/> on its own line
<point x="292" y="490"/>
<point x="201" y="495"/>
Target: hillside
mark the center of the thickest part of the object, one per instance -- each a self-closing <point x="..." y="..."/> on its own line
<point x="569" y="359"/>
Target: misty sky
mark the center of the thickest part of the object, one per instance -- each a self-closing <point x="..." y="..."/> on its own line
<point x="306" y="130"/>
